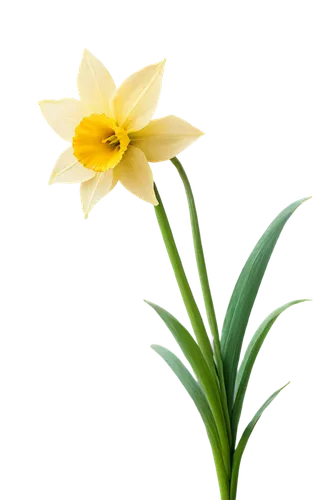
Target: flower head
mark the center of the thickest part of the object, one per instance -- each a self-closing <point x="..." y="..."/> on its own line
<point x="112" y="133"/>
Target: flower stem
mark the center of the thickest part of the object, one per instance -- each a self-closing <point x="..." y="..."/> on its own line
<point x="221" y="453"/>
<point x="223" y="481"/>
<point x="184" y="287"/>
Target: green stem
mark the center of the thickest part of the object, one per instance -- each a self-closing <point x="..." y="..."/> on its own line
<point x="184" y="287"/>
<point x="195" y="317"/>
<point x="222" y="478"/>
<point x="202" y="270"/>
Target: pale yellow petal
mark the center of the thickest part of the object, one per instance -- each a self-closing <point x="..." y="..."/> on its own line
<point x="135" y="174"/>
<point x="165" y="138"/>
<point x="95" y="189"/>
<point x="137" y="97"/>
<point x="68" y="170"/>
<point x="63" y="116"/>
<point x="95" y="84"/>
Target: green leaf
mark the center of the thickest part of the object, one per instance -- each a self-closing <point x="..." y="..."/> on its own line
<point x="187" y="344"/>
<point x="243" y="297"/>
<point x="204" y="375"/>
<point x="183" y="284"/>
<point x="204" y="281"/>
<point x="243" y="442"/>
<point x="200" y="401"/>
<point x="250" y="356"/>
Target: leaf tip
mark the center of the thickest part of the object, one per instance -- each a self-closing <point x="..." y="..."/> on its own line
<point x="307" y="198"/>
<point x="289" y="383"/>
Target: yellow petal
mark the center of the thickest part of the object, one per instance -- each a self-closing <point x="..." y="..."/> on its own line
<point x="165" y="138"/>
<point x="137" y="97"/>
<point x="63" y="116"/>
<point x="135" y="174"/>
<point x="95" y="189"/>
<point x="69" y="170"/>
<point x="95" y="84"/>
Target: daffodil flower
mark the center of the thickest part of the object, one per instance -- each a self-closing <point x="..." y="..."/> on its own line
<point x="112" y="133"/>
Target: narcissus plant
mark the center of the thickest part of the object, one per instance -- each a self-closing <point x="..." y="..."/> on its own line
<point x="113" y="137"/>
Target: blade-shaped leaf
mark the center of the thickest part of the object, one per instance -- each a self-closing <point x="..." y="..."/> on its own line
<point x="243" y="442"/>
<point x="244" y="295"/>
<point x="203" y="276"/>
<point x="204" y="375"/>
<point x="186" y="342"/>
<point x="183" y="284"/>
<point x="250" y="356"/>
<point x="200" y="401"/>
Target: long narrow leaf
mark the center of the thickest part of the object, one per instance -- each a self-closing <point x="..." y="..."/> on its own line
<point x="204" y="281"/>
<point x="243" y="297"/>
<point x="187" y="344"/>
<point x="200" y="401"/>
<point x="184" y="287"/>
<point x="243" y="442"/>
<point x="250" y="356"/>
<point x="204" y="375"/>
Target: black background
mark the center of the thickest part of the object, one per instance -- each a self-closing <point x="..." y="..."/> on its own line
<point x="99" y="415"/>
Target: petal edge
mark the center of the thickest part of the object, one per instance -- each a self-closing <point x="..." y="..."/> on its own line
<point x="137" y="97"/>
<point x="92" y="191"/>
<point x="95" y="85"/>
<point x="68" y="169"/>
<point x="135" y="174"/>
<point x="62" y="115"/>
<point x="165" y="138"/>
